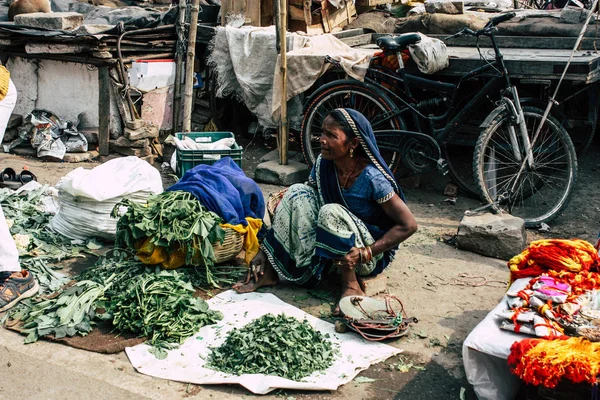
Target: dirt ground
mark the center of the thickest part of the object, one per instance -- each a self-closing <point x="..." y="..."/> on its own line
<point x="425" y="276"/>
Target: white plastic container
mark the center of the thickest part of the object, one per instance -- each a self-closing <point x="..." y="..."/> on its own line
<point x="147" y="75"/>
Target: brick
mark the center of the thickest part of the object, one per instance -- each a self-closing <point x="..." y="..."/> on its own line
<point x="373" y="285"/>
<point x="124" y="142"/>
<point x="146" y="131"/>
<point x="131" y="151"/>
<point x="65" y="21"/>
<point x="80" y="157"/>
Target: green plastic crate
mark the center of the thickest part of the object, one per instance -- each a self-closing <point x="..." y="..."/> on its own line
<point x="188" y="159"/>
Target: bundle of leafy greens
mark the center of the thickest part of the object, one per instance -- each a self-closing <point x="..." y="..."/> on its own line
<point x="69" y="313"/>
<point x="274" y="345"/>
<point x="173" y="221"/>
<point x="162" y="307"/>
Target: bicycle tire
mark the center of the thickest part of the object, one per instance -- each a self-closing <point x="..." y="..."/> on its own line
<point x="554" y="174"/>
<point x="352" y="94"/>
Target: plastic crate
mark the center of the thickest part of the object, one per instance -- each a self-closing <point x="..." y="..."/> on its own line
<point x="188" y="159"/>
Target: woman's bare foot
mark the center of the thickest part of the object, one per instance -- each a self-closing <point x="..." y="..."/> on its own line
<point x="350" y="287"/>
<point x="261" y="275"/>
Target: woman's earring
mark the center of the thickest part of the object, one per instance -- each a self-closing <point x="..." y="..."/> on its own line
<point x="351" y="153"/>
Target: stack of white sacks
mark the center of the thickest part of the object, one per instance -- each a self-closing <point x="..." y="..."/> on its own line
<point x="87" y="197"/>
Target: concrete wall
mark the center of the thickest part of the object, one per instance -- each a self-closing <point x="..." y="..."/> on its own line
<point x="70" y="90"/>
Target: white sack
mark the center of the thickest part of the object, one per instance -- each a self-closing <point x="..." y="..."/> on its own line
<point x="429" y="54"/>
<point x="114" y="179"/>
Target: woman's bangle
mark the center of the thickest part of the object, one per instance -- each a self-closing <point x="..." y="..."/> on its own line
<point x="369" y="253"/>
<point x="361" y="255"/>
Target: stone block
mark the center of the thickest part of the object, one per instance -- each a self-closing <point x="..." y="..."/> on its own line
<point x="80" y="157"/>
<point x="273" y="155"/>
<point x="130" y="151"/>
<point x="500" y="236"/>
<point x="146" y="131"/>
<point x="91" y="135"/>
<point x="14" y="121"/>
<point x="445" y="7"/>
<point x="373" y="285"/>
<point x="124" y="142"/>
<point x="64" y="21"/>
<point x="285" y="175"/>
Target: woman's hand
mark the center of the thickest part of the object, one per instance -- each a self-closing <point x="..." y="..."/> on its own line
<point x="350" y="260"/>
<point x="257" y="267"/>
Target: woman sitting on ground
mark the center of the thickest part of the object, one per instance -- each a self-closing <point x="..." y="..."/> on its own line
<point x="351" y="214"/>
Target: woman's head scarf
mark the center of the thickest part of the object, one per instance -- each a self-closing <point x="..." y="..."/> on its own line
<point x="361" y="127"/>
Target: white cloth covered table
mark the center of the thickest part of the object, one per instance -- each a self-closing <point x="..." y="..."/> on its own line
<point x="486" y="350"/>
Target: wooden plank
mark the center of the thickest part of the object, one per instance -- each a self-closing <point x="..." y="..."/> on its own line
<point x="307" y="12"/>
<point x="373" y="3"/>
<point x="103" y="110"/>
<point x="44" y="48"/>
<point x="253" y="12"/>
<point x="296" y="14"/>
<point x="266" y="13"/>
<point x="340" y="16"/>
<point x="349" y="33"/>
<point x="358" y="39"/>
<point x="298" y="3"/>
<point x="517" y="42"/>
<point x="325" y="15"/>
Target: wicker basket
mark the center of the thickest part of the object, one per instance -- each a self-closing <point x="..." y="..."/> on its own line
<point x="231" y="246"/>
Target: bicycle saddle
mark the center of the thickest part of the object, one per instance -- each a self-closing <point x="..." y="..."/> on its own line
<point x="395" y="43"/>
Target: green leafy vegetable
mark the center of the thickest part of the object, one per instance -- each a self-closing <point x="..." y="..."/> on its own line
<point x="171" y="220"/>
<point x="274" y="345"/>
<point x="160" y="306"/>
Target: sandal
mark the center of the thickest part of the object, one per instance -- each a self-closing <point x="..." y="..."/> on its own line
<point x="9" y="179"/>
<point x="26" y="176"/>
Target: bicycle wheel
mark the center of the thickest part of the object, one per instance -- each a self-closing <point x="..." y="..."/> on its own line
<point x="538" y="193"/>
<point x="376" y="107"/>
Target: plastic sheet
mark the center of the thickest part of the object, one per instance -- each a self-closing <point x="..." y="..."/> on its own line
<point x="187" y="363"/>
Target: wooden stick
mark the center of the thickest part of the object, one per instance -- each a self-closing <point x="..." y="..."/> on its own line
<point x="283" y="130"/>
<point x="103" y="110"/>
<point x="188" y="100"/>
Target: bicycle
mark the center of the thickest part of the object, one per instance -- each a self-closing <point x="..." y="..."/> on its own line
<point x="511" y="167"/>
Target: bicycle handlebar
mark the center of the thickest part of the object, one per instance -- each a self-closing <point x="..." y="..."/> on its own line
<point x="486" y="29"/>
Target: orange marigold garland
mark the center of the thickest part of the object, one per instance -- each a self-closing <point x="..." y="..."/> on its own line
<point x="547" y="362"/>
<point x="574" y="256"/>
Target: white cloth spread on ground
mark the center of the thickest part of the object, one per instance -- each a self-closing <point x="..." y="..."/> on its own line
<point x="307" y="63"/>
<point x="485" y="351"/>
<point x="187" y="363"/>
<point x="244" y="61"/>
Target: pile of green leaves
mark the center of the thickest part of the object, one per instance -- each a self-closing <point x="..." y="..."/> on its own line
<point x="27" y="218"/>
<point x="160" y="306"/>
<point x="68" y="314"/>
<point x="274" y="345"/>
<point x="171" y="220"/>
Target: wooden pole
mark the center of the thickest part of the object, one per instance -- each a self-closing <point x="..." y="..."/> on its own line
<point x="104" y="93"/>
<point x="188" y="99"/>
<point x="283" y="128"/>
<point x="180" y="29"/>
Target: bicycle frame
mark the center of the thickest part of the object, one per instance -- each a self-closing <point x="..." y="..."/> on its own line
<point x="452" y="118"/>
